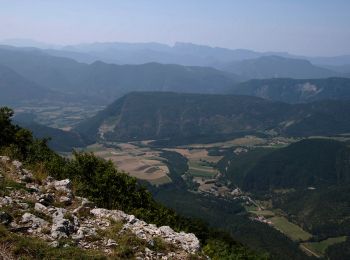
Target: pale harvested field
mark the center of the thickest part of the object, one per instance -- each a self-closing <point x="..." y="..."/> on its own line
<point x="242" y="141"/>
<point x="198" y="160"/>
<point x="195" y="154"/>
<point x="142" y="163"/>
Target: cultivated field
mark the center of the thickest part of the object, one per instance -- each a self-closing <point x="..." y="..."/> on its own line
<point x="142" y="163"/>
<point x="291" y="230"/>
<point x="320" y="247"/>
<point x="59" y="115"/>
<point x="199" y="162"/>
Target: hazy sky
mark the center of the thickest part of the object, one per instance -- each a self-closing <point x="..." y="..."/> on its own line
<point x="310" y="27"/>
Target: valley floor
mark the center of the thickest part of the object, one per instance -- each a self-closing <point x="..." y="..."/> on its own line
<point x="146" y="162"/>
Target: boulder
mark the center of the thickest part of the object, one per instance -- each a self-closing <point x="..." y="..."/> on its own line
<point x="82" y="211"/>
<point x="54" y="244"/>
<point x="116" y="215"/>
<point x="41" y="208"/>
<point x="26" y="178"/>
<point x="83" y="232"/>
<point x="66" y="200"/>
<point x="18" y="165"/>
<point x="111" y="243"/>
<point x="63" y="185"/>
<point x="61" y="228"/>
<point x="4" y="159"/>
<point x="35" y="221"/>
<point x="5" y="201"/>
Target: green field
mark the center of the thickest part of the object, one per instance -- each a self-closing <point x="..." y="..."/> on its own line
<point x="160" y="181"/>
<point x="264" y="213"/>
<point x="201" y="169"/>
<point x="320" y="247"/>
<point x="289" y="229"/>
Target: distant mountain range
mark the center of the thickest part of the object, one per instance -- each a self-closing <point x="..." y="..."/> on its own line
<point x="146" y="116"/>
<point x="44" y="76"/>
<point x="105" y="82"/>
<point x="295" y="90"/>
<point x="187" y="54"/>
<point x="16" y="89"/>
<point x="278" y="67"/>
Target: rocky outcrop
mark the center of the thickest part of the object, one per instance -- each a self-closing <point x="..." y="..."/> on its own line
<point x="188" y="242"/>
<point x="50" y="211"/>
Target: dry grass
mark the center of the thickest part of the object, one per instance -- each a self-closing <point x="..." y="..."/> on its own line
<point x="39" y="173"/>
<point x="5" y="251"/>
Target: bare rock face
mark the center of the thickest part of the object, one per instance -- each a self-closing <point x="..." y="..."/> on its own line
<point x="34" y="221"/>
<point x="188" y="242"/>
<point x="61" y="228"/>
<point x="51" y="212"/>
<point x="18" y="165"/>
<point x="66" y="200"/>
<point x="63" y="185"/>
<point x="41" y="208"/>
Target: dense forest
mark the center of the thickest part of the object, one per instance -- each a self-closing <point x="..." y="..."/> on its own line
<point x="313" y="175"/>
<point x="201" y="117"/>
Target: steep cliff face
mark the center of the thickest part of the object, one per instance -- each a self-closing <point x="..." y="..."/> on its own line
<point x="47" y="210"/>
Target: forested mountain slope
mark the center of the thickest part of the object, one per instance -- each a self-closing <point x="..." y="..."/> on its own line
<point x="295" y="90"/>
<point x="170" y="115"/>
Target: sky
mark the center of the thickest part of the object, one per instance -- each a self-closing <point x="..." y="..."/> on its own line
<point x="303" y="27"/>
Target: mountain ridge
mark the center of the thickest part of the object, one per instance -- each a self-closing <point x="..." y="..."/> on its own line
<point x="157" y="115"/>
<point x="295" y="90"/>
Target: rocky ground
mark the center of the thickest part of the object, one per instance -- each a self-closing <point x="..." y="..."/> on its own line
<point x="48" y="209"/>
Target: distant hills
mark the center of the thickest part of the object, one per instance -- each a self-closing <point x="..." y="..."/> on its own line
<point x="295" y="90"/>
<point x="309" y="180"/>
<point x="308" y="163"/>
<point x="185" y="54"/>
<point x="105" y="82"/>
<point x="59" y="140"/>
<point x="170" y="115"/>
<point x="15" y="89"/>
<point x="278" y="67"/>
<point x="180" y="53"/>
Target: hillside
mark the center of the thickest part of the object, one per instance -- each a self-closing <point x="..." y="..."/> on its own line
<point x="294" y="90"/>
<point x="308" y="163"/>
<point x="50" y="215"/>
<point x="144" y="116"/>
<point x="15" y="89"/>
<point x="309" y="180"/>
<point x="278" y="67"/>
<point x="59" y="140"/>
<point x="101" y="81"/>
<point x="156" y="115"/>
